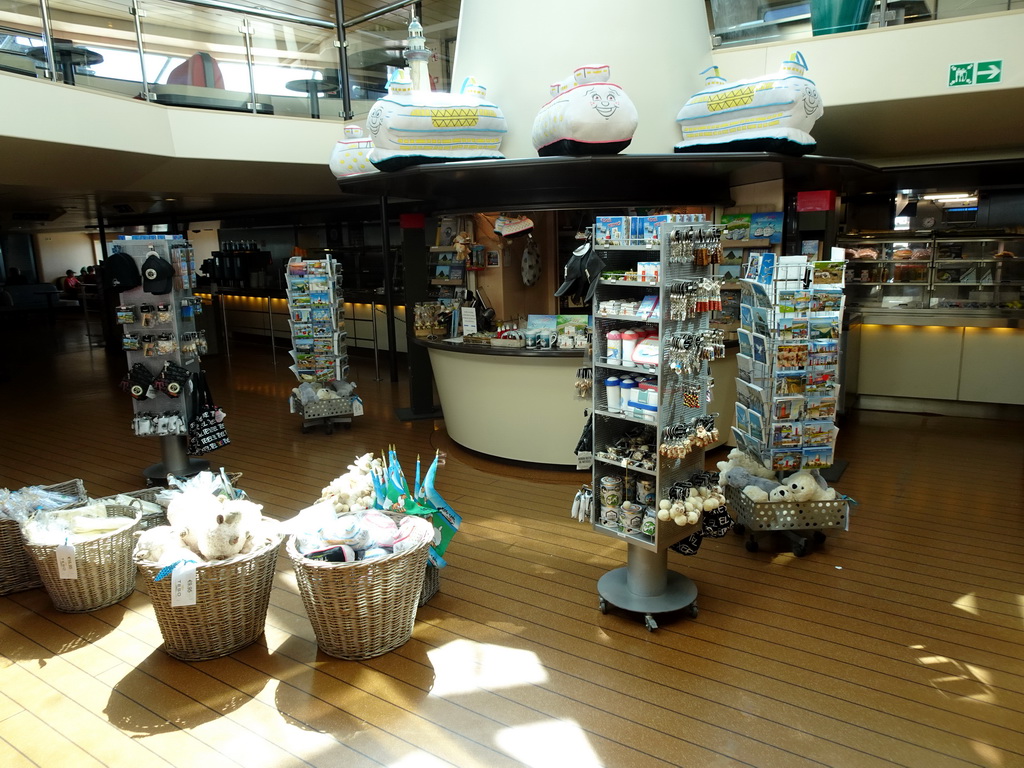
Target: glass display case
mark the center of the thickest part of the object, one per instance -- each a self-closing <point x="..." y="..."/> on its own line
<point x="935" y="273"/>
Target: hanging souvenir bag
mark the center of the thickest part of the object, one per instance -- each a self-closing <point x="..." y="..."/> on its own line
<point x="206" y="430"/>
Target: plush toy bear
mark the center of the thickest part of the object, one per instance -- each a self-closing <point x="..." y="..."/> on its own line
<point x="162" y="545"/>
<point x="737" y="459"/>
<point x="224" y="538"/>
<point x="808" y="486"/>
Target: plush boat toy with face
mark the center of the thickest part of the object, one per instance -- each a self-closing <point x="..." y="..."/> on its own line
<point x="773" y="113"/>
<point x="587" y="115"/>
<point x="349" y="156"/>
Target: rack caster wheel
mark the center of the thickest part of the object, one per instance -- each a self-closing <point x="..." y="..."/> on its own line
<point x="650" y="623"/>
<point x="819" y="537"/>
<point x="800" y="548"/>
<point x="739" y="529"/>
<point x="602" y="605"/>
<point x="751" y="545"/>
<point x="693" y="610"/>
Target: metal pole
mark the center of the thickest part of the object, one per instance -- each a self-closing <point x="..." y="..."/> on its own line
<point x="376" y="347"/>
<point x="247" y="31"/>
<point x="138" y="13"/>
<point x="343" y="75"/>
<point x="270" y="319"/>
<point x="44" y="15"/>
<point x="385" y="241"/>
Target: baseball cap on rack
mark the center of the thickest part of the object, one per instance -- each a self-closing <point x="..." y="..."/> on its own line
<point x="157" y="275"/>
<point x="120" y="272"/>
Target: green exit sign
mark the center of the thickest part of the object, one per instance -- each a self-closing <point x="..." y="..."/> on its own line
<point x="975" y="73"/>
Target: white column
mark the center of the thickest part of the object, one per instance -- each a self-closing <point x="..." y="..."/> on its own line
<point x="656" y="50"/>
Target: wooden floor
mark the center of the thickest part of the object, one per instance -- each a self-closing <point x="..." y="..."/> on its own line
<point x="899" y="643"/>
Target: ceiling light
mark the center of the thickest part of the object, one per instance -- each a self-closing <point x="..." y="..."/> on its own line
<point x="951" y="196"/>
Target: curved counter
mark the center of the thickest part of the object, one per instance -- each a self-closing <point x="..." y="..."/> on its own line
<point x="510" y="403"/>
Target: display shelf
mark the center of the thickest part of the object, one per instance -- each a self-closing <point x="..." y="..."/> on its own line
<point x="645" y="585"/>
<point x="163" y="333"/>
<point x="629" y="318"/>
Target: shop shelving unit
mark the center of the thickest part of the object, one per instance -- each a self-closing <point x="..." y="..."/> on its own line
<point x="180" y="326"/>
<point x="319" y="339"/>
<point x="646" y="585"/>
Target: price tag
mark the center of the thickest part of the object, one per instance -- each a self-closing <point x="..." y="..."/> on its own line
<point x="357" y="406"/>
<point x="584" y="460"/>
<point x="67" y="566"/>
<point x="469" y="320"/>
<point x="183" y="585"/>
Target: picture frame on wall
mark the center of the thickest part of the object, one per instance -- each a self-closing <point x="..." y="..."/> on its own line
<point x="492" y="258"/>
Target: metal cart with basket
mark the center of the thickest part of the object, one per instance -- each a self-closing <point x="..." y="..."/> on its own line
<point x="325" y="412"/>
<point x="803" y="523"/>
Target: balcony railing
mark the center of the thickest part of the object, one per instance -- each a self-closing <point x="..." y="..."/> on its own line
<point x="210" y="54"/>
<point x="756" y="22"/>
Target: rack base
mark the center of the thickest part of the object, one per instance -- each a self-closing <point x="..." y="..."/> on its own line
<point x="679" y="592"/>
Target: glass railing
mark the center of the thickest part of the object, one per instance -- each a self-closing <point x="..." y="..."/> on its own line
<point x="750" y="22"/>
<point x="222" y="55"/>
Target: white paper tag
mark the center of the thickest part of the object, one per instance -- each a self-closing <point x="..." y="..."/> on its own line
<point x="584" y="460"/>
<point x="183" y="585"/>
<point x="357" y="406"/>
<point x="67" y="566"/>
<point x="469" y="320"/>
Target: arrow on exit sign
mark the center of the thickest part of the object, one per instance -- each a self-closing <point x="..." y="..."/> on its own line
<point x="975" y="73"/>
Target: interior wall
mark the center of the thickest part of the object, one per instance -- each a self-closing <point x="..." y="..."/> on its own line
<point x="57" y="252"/>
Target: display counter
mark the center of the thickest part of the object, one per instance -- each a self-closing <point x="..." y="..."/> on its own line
<point x="955" y="361"/>
<point x="514" y="404"/>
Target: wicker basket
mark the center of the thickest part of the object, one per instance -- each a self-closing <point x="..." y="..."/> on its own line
<point x="17" y="570"/>
<point x="106" y="572"/>
<point x="153" y="519"/>
<point x="431" y="583"/>
<point x="363" y="609"/>
<point x="230" y="613"/>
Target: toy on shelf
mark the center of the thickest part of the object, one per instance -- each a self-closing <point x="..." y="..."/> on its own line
<point x="413" y="125"/>
<point x="587" y="115"/>
<point x="772" y="113"/>
<point x="350" y="155"/>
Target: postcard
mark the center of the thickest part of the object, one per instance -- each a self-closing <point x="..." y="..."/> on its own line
<point x="742" y="421"/>
<point x="755" y="426"/>
<point x="818" y="458"/>
<point x="792" y="328"/>
<point x="820" y="407"/>
<point x="829" y="272"/>
<point x="790" y="383"/>
<point x="818" y="433"/>
<point x="826" y="300"/>
<point x="766" y="268"/>
<point x="821" y="382"/>
<point x="823" y="328"/>
<point x="760" y="349"/>
<point x="790" y="355"/>
<point x="787" y="408"/>
<point x="762" y="320"/>
<point x="766" y="226"/>
<point x="787" y="459"/>
<point x="786" y="434"/>
<point x="793" y="302"/>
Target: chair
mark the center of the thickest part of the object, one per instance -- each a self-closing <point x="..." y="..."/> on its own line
<point x="198" y="69"/>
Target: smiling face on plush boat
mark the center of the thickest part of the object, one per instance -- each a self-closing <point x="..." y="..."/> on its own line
<point x="603" y="100"/>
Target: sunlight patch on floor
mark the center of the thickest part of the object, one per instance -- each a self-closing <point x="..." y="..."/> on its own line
<point x="551" y="744"/>
<point x="464" y="666"/>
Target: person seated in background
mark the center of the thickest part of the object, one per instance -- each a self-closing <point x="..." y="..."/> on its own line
<point x="71" y="284"/>
<point x="89" y="278"/>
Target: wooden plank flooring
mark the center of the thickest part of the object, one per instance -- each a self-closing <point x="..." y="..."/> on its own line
<point x="898" y="643"/>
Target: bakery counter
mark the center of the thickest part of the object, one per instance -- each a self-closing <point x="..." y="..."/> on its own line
<point x="957" y="362"/>
<point x="513" y="404"/>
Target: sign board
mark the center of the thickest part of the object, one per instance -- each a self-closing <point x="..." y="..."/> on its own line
<point x="975" y="73"/>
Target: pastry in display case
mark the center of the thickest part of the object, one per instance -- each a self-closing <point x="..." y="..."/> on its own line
<point x="888" y="273"/>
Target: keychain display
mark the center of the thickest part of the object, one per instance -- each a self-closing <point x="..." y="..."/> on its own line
<point x="701" y="247"/>
<point x="147" y="315"/>
<point x="679" y="439"/>
<point x="584" y="383"/>
<point x="163" y="314"/>
<point x="191" y="306"/>
<point x="688" y="298"/>
<point x="687" y="352"/>
<point x="159" y="424"/>
<point x="583" y="505"/>
<point x="148" y="345"/>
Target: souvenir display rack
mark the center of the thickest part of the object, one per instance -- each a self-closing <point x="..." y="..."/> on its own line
<point x="319" y="338"/>
<point x="787" y="388"/>
<point x="160" y="331"/>
<point x="647" y="277"/>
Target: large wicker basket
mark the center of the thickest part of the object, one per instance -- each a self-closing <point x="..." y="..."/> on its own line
<point x="106" y="572"/>
<point x="362" y="609"/>
<point x="230" y="613"/>
<point x="17" y="571"/>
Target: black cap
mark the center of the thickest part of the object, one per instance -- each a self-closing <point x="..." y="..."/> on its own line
<point x="157" y="275"/>
<point x="121" y="272"/>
